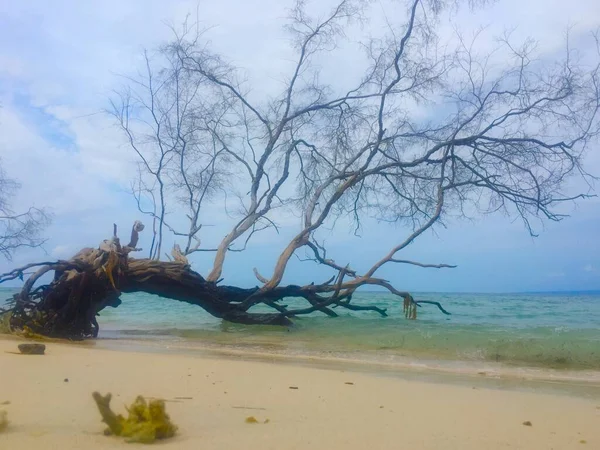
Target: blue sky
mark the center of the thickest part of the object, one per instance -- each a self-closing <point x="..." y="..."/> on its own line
<point x="59" y="63"/>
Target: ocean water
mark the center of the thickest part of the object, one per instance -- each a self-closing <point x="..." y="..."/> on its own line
<point x="559" y="331"/>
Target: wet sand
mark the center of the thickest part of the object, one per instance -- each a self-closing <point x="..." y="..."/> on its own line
<point x="209" y="399"/>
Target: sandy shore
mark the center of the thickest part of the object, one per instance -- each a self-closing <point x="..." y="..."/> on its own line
<point x="324" y="412"/>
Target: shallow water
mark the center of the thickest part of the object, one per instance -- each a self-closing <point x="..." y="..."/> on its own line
<point x="551" y="330"/>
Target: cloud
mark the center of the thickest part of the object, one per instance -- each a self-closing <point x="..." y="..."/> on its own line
<point x="62" y="251"/>
<point x="68" y="182"/>
<point x="590" y="268"/>
<point x="60" y="63"/>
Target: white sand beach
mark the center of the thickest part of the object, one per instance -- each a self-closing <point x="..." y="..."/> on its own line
<point x="209" y="399"/>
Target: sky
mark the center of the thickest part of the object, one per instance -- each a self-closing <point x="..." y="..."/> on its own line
<point x="61" y="60"/>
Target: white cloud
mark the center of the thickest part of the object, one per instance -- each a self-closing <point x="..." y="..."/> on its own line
<point x="64" y="180"/>
<point x="62" y="251"/>
<point x="590" y="268"/>
<point x="60" y="58"/>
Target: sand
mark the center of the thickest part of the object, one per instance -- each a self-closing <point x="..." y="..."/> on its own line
<point x="210" y="398"/>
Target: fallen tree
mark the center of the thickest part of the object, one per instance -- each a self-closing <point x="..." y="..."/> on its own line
<point x="95" y="278"/>
<point x="505" y="131"/>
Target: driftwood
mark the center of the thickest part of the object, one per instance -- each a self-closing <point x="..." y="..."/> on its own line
<point x="95" y="278"/>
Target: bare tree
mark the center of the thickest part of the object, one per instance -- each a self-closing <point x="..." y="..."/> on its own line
<point x="18" y="229"/>
<point x="166" y="123"/>
<point x="508" y="137"/>
<point x="488" y="136"/>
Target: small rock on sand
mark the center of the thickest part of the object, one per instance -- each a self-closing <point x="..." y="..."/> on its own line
<point x="32" y="349"/>
<point x="527" y="423"/>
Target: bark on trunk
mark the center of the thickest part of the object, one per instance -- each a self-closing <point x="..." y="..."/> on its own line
<point x="94" y="280"/>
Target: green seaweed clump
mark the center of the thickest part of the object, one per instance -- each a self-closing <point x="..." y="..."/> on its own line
<point x="145" y="423"/>
<point x="3" y="420"/>
<point x="5" y="322"/>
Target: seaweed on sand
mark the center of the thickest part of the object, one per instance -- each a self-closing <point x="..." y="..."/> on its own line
<point x="146" y="422"/>
<point x="3" y="420"/>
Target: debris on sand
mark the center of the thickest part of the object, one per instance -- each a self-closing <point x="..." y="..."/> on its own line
<point x="3" y="420"/>
<point x="32" y="349"/>
<point x="252" y="419"/>
<point x="147" y="421"/>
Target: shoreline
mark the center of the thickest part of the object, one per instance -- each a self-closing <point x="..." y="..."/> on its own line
<point x="497" y="375"/>
<point x="578" y="383"/>
<point x="308" y="406"/>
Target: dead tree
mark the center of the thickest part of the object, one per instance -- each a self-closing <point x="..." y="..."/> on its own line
<point x="166" y="121"/>
<point x="18" y="229"/>
<point x="500" y="135"/>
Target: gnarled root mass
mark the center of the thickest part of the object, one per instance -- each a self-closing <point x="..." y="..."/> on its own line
<point x="94" y="279"/>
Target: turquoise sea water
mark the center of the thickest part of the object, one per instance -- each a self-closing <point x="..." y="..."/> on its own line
<point x="548" y="330"/>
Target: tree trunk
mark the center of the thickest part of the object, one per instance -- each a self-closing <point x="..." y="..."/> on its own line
<point x="178" y="282"/>
<point x="94" y="279"/>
